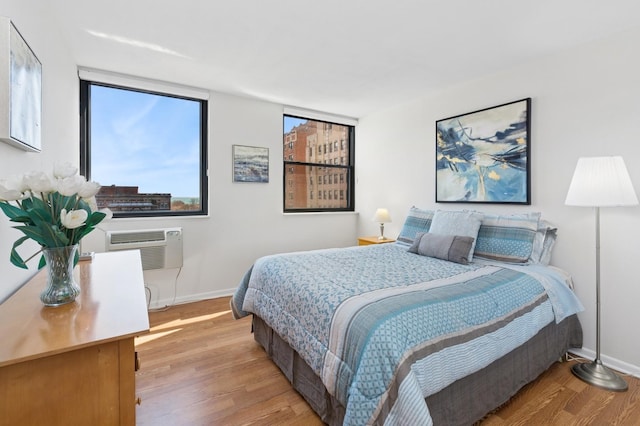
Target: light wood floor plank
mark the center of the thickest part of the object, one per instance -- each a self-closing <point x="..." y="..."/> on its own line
<point x="201" y="367"/>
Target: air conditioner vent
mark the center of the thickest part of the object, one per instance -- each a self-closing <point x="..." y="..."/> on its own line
<point x="159" y="248"/>
<point x="136" y="237"/>
<point x="153" y="257"/>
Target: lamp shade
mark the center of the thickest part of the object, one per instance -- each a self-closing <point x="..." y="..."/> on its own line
<point x="382" y="216"/>
<point x="601" y="182"/>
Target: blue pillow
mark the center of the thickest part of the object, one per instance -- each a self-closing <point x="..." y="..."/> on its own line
<point x="418" y="220"/>
<point x="507" y="238"/>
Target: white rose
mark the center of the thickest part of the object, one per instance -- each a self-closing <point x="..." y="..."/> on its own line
<point x="65" y="169"/>
<point x="71" y="185"/>
<point x="89" y="189"/>
<point x="93" y="204"/>
<point x="73" y="219"/>
<point x="13" y="188"/>
<point x="7" y="194"/>
<point x="39" y="182"/>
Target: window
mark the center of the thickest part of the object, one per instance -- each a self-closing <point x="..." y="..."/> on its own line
<point x="146" y="148"/>
<point x="303" y="169"/>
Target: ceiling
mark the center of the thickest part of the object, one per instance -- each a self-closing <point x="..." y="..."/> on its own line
<point x="348" y="57"/>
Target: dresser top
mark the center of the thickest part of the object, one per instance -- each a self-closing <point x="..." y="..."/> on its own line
<point x="111" y="306"/>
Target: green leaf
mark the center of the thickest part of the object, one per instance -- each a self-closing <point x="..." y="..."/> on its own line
<point x="11" y="211"/>
<point x="42" y="262"/>
<point x="39" y="214"/>
<point x="15" y="257"/>
<point x="45" y="234"/>
<point x="81" y="232"/>
<point x="95" y="218"/>
<point x="23" y="219"/>
<point x="34" y="233"/>
<point x="60" y="202"/>
<point x="58" y="237"/>
<point x="35" y="203"/>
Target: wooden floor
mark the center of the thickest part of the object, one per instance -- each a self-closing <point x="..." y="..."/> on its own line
<point x="201" y="367"/>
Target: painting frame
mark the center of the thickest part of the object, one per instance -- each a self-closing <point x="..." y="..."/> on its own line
<point x="484" y="156"/>
<point x="250" y="164"/>
<point x="21" y="84"/>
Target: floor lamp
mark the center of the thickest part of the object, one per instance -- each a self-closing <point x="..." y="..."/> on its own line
<point x="600" y="182"/>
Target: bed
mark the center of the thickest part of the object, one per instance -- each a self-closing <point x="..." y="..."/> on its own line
<point x="440" y="327"/>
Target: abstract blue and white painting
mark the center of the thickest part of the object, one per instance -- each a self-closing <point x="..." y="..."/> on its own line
<point x="483" y="156"/>
<point x="250" y="164"/>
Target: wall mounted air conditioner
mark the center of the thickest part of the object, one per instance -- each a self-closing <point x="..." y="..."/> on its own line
<point x="159" y="248"/>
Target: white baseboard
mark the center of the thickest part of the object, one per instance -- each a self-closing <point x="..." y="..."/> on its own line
<point x="616" y="364"/>
<point x="164" y="303"/>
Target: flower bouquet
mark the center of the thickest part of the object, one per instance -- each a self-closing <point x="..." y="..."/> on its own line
<point x="55" y="211"/>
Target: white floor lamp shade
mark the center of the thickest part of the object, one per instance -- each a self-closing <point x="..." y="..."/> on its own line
<point x="600" y="182"/>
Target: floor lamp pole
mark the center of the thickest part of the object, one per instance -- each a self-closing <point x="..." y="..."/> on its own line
<point x="595" y="372"/>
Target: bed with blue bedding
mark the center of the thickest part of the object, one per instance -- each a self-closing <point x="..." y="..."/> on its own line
<point x="384" y="334"/>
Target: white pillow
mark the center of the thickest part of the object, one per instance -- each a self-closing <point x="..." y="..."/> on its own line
<point x="462" y="223"/>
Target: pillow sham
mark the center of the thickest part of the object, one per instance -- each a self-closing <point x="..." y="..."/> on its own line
<point x="418" y="220"/>
<point x="464" y="223"/>
<point x="507" y="238"/>
<point x="543" y="243"/>
<point x="453" y="248"/>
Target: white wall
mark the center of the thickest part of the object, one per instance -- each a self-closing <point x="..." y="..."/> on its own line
<point x="245" y="220"/>
<point x="60" y="124"/>
<point x="585" y="102"/>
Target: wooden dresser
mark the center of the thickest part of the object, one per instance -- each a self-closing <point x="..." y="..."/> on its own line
<point x="74" y="364"/>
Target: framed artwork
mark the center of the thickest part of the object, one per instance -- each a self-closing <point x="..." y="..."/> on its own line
<point x="20" y="90"/>
<point x="250" y="164"/>
<point x="483" y="156"/>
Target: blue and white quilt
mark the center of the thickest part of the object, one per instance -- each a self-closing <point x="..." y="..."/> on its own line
<point x="385" y="328"/>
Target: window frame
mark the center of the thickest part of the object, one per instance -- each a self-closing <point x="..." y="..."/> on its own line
<point x="349" y="167"/>
<point x="85" y="143"/>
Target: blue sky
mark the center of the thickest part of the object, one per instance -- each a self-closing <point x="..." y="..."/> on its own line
<point x="149" y="141"/>
<point x="145" y="140"/>
<point x="291" y="122"/>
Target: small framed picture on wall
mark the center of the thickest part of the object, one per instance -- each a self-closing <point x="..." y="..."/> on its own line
<point x="20" y="90"/>
<point x="250" y="164"/>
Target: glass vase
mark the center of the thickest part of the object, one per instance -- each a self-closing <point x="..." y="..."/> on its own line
<point x="61" y="288"/>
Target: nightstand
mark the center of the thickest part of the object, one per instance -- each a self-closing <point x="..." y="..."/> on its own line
<point x="365" y="241"/>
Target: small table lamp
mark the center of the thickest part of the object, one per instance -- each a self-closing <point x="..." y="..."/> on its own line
<point x="382" y="216"/>
<point x="600" y="182"/>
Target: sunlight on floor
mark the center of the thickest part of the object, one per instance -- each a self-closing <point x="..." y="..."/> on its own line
<point x="182" y="322"/>
<point x="153" y="336"/>
<point x="175" y="325"/>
